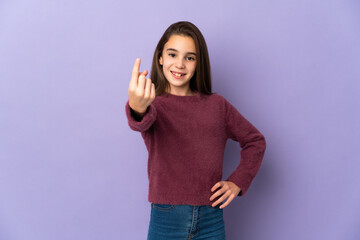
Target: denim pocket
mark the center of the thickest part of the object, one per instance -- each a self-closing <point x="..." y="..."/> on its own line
<point x="162" y="207"/>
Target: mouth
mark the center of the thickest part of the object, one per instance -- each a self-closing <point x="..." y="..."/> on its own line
<point x="178" y="74"/>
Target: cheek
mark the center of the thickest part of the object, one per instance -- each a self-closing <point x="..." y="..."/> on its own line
<point x="193" y="67"/>
<point x="166" y="62"/>
<point x="166" y="67"/>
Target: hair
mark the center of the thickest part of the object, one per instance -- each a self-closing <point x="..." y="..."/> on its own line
<point x="201" y="80"/>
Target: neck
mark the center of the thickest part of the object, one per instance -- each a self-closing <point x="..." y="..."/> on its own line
<point x="187" y="92"/>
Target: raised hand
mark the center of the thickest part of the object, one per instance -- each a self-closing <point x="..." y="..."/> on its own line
<point x="141" y="90"/>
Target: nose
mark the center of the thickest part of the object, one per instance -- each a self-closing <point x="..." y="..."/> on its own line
<point x="180" y="63"/>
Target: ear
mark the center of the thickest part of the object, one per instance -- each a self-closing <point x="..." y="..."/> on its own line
<point x="160" y="61"/>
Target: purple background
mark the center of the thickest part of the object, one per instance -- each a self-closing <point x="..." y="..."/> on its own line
<point x="71" y="168"/>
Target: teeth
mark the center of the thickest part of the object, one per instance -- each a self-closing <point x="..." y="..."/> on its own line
<point x="177" y="74"/>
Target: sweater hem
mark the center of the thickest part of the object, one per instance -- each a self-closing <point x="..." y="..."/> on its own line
<point x="180" y="200"/>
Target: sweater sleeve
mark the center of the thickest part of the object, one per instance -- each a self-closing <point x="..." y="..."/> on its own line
<point x="143" y="124"/>
<point x="252" y="144"/>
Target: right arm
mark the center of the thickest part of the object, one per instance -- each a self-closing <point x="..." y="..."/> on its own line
<point x="140" y="112"/>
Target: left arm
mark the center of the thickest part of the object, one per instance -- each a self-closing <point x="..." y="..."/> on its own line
<point x="253" y="146"/>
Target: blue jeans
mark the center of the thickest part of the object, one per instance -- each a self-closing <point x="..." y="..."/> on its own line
<point x="170" y="222"/>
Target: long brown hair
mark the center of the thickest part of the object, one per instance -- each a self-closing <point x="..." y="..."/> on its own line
<point x="201" y="80"/>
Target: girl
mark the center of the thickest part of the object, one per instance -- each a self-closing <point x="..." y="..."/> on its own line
<point x="185" y="128"/>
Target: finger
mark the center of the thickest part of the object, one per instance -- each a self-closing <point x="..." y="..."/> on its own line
<point x="141" y="84"/>
<point x="221" y="199"/>
<point x="135" y="73"/>
<point x="216" y="186"/>
<point x="152" y="94"/>
<point x="218" y="193"/>
<point x="147" y="88"/>
<point x="228" y="201"/>
<point x="145" y="73"/>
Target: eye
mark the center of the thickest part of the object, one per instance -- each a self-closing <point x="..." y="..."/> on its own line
<point x="190" y="58"/>
<point x="172" y="54"/>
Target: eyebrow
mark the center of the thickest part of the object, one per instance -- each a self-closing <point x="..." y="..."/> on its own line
<point x="172" y="49"/>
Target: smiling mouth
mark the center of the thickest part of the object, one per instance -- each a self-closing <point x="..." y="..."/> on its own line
<point x="176" y="74"/>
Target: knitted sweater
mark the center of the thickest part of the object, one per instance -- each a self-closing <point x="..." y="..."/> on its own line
<point x="185" y="137"/>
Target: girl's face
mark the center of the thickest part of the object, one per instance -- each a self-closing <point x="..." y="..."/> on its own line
<point x="179" y="62"/>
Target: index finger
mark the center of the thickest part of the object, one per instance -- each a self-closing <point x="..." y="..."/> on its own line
<point x="216" y="186"/>
<point x="135" y="72"/>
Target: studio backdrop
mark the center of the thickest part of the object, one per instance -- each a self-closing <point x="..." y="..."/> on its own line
<point x="71" y="168"/>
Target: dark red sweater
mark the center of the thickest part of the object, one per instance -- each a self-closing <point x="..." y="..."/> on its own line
<point x="185" y="137"/>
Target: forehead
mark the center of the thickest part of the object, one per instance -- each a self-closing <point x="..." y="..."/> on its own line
<point x="181" y="43"/>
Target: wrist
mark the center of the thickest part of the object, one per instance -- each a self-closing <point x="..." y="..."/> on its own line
<point x="139" y="113"/>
